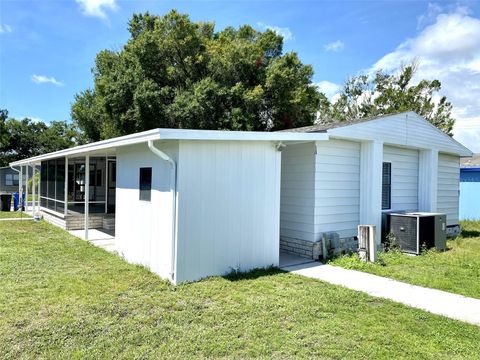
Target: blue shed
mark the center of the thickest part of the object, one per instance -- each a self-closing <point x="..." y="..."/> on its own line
<point x="470" y="188"/>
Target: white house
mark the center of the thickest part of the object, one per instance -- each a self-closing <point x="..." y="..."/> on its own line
<point x="368" y="167"/>
<point x="191" y="203"/>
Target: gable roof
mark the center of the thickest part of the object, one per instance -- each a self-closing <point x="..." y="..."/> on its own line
<point x="403" y="129"/>
<point x="324" y="127"/>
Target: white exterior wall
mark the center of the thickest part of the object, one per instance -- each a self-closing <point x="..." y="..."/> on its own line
<point x="337" y="187"/>
<point x="448" y="187"/>
<point x="228" y="207"/>
<point x="143" y="228"/>
<point x="406" y="129"/>
<point x="404" y="162"/>
<point x="297" y="197"/>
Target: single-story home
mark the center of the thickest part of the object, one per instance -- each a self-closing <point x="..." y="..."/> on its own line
<point x="8" y="180"/>
<point x="194" y="203"/>
<point x="470" y="188"/>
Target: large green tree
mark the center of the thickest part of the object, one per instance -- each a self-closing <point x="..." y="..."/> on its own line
<point x="20" y="139"/>
<point x="181" y="74"/>
<point x="386" y="93"/>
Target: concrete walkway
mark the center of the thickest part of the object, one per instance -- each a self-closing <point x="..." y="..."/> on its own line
<point x="438" y="302"/>
<point x="102" y="238"/>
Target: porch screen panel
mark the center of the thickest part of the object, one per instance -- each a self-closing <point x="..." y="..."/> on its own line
<point x="51" y="179"/>
<point x="52" y="185"/>
<point x="60" y="185"/>
<point x="60" y="180"/>
<point x="43" y="183"/>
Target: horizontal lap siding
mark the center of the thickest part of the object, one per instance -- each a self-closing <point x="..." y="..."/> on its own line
<point x="297" y="199"/>
<point x="448" y="187"/>
<point x="401" y="129"/>
<point x="404" y="177"/>
<point x="337" y="187"/>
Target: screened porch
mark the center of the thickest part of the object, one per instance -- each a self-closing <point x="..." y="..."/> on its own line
<point x="63" y="185"/>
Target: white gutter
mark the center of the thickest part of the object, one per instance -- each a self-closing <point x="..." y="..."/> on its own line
<point x="167" y="158"/>
<point x="173" y="134"/>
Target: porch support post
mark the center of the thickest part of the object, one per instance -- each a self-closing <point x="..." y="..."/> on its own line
<point x="33" y="190"/>
<point x="20" y="188"/>
<point x="38" y="185"/>
<point x="371" y="158"/>
<point x="427" y="180"/>
<point x="106" y="183"/>
<point x="65" y="205"/>
<point x="26" y="189"/>
<point x="87" y="193"/>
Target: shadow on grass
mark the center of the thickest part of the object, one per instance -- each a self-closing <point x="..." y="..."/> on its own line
<point x="470" y="233"/>
<point x="253" y="274"/>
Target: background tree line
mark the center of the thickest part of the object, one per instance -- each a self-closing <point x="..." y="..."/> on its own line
<point x="176" y="73"/>
<point x="24" y="138"/>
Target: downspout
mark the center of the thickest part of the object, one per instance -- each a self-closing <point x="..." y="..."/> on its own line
<point x="173" y="181"/>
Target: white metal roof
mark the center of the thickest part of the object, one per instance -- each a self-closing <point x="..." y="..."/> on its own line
<point x="175" y="134"/>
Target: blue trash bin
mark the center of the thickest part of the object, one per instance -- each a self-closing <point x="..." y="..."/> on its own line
<point x="15" y="201"/>
<point x="16" y="198"/>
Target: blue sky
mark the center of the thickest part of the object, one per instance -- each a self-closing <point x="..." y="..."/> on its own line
<point x="47" y="48"/>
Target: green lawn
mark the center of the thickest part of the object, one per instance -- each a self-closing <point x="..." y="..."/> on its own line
<point x="456" y="270"/>
<point x="60" y="297"/>
<point x="12" y="214"/>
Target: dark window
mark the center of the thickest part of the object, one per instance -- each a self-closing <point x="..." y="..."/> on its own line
<point x="11" y="179"/>
<point x="114" y="172"/>
<point x="386" y="185"/>
<point x="145" y="184"/>
<point x="98" y="180"/>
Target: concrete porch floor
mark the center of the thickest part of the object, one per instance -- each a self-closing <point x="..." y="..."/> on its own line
<point x="102" y="238"/>
<point x="288" y="259"/>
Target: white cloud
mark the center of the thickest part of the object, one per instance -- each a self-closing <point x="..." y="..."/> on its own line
<point x="330" y="89"/>
<point x="97" y="8"/>
<point x="282" y="31"/>
<point x="430" y="16"/>
<point x="5" y="29"/>
<point x="42" y="79"/>
<point x="334" y="46"/>
<point x="448" y="50"/>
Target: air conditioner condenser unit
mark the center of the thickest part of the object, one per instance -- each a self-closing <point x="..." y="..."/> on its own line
<point x="415" y="231"/>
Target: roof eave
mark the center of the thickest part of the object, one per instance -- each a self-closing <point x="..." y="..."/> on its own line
<point x="174" y="134"/>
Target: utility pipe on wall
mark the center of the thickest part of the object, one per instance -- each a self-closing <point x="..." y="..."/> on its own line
<point x="167" y="158"/>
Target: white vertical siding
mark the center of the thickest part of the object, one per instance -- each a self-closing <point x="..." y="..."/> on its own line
<point x="143" y="228"/>
<point x="298" y="192"/>
<point x="404" y="177"/>
<point x="427" y="180"/>
<point x="448" y="186"/>
<point x="337" y="187"/>
<point x="228" y="207"/>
